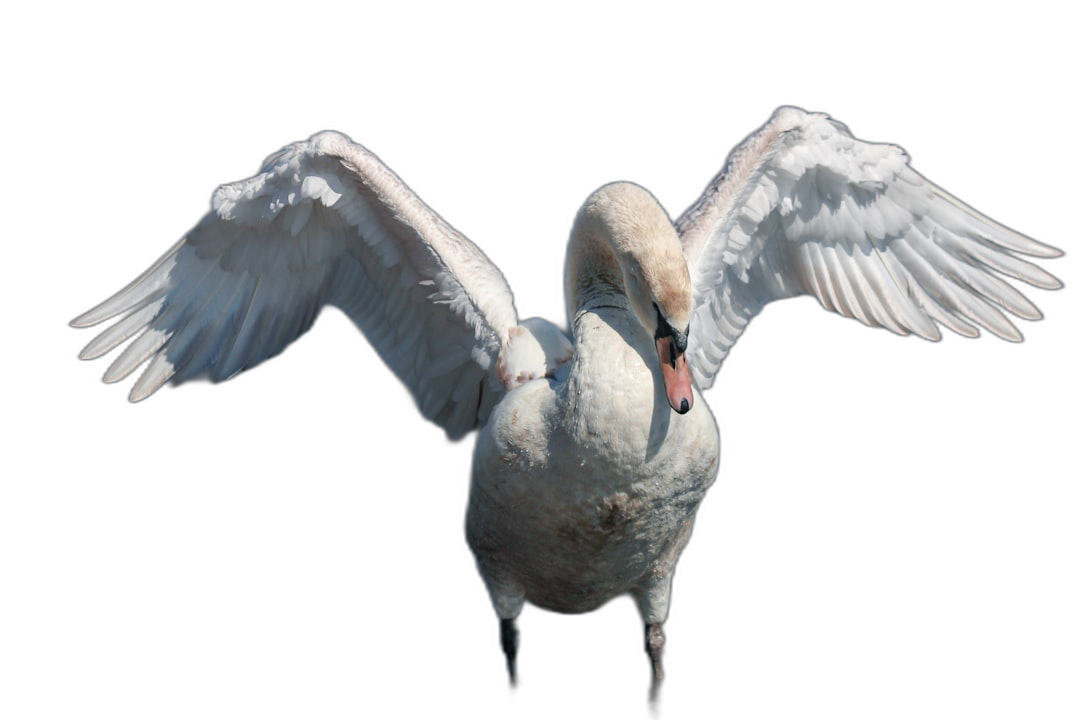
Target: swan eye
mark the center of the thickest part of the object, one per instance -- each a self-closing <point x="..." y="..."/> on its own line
<point x="664" y="329"/>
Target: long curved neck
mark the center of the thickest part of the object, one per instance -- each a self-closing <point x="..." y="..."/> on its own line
<point x="623" y="245"/>
<point x="592" y="269"/>
<point x="625" y="255"/>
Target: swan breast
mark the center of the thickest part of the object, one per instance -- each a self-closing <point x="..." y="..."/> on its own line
<point x="583" y="490"/>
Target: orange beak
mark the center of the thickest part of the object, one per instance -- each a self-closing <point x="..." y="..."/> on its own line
<point x="676" y="373"/>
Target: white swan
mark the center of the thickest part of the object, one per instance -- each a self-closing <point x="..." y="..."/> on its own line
<point x="593" y="456"/>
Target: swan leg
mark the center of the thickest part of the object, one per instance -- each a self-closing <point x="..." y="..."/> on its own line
<point x="654" y="646"/>
<point x="510" y="638"/>
<point x="653" y="601"/>
<point x="508" y="598"/>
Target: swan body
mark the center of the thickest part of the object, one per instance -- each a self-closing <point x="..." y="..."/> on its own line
<point x="586" y="489"/>
<point x="594" y="451"/>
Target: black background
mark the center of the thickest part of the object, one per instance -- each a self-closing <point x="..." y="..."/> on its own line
<point x="890" y="516"/>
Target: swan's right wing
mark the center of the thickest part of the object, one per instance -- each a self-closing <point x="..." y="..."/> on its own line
<point x="803" y="207"/>
<point x="325" y="222"/>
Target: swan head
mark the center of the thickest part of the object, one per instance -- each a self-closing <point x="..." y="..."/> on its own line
<point x="653" y="274"/>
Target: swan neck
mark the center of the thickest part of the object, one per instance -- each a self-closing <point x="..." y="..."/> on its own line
<point x="623" y="246"/>
<point x="593" y="274"/>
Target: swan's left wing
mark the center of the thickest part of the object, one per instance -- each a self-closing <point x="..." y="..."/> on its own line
<point x="803" y="207"/>
<point x="324" y="223"/>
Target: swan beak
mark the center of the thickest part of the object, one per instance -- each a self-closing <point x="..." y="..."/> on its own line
<point x="676" y="373"/>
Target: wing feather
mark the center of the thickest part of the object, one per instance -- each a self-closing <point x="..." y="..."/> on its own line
<point x="324" y="222"/>
<point x="803" y="207"/>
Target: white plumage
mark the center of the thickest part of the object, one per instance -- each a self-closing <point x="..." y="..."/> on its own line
<point x="324" y="223"/>
<point x="803" y="207"/>
<point x="588" y="473"/>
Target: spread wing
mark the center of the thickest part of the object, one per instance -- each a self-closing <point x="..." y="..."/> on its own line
<point x="803" y="207"/>
<point x="324" y="222"/>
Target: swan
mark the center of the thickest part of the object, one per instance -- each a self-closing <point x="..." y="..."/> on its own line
<point x="594" y="448"/>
